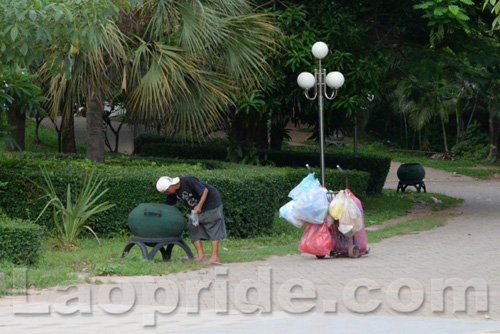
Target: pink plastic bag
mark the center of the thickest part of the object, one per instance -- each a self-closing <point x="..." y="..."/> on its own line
<point x="360" y="236"/>
<point x="316" y="240"/>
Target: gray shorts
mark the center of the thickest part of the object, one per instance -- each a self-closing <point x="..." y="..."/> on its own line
<point x="211" y="226"/>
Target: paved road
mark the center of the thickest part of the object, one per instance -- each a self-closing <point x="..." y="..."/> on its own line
<point x="445" y="280"/>
<point x="126" y="134"/>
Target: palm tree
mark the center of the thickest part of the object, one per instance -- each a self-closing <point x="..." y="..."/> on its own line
<point x="88" y="73"/>
<point x="181" y="60"/>
<point x="187" y="58"/>
<point x="419" y="101"/>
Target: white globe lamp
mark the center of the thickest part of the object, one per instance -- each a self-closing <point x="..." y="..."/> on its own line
<point x="335" y="80"/>
<point x="306" y="80"/>
<point x="319" y="50"/>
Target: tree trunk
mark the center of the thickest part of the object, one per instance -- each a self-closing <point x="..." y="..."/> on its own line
<point x="95" y="135"/>
<point x="116" y="133"/>
<point x="494" y="127"/>
<point x="444" y="136"/>
<point x="68" y="134"/>
<point x="16" y="119"/>
<point x="278" y="132"/>
<point x="362" y="118"/>
<point x="237" y="132"/>
<point x="38" y="119"/>
<point x="262" y="135"/>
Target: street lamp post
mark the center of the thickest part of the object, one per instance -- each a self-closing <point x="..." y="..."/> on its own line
<point x="307" y="80"/>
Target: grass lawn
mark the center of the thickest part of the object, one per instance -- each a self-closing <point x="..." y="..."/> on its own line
<point x="47" y="136"/>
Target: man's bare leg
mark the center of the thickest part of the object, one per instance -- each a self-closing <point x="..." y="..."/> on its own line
<point x="215" y="252"/>
<point x="199" y="248"/>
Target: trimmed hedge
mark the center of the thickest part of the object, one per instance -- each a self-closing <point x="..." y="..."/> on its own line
<point x="20" y="241"/>
<point x="376" y="166"/>
<point x="168" y="147"/>
<point x="250" y="195"/>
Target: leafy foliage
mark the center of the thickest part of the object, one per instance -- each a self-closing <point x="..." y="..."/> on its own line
<point x="495" y="8"/>
<point x="20" y="90"/>
<point x="442" y="15"/>
<point x="475" y="145"/>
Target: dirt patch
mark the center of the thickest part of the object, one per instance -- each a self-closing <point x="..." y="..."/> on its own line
<point x="298" y="134"/>
<point x="479" y="166"/>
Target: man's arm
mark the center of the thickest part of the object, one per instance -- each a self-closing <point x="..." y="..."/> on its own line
<point x="197" y="208"/>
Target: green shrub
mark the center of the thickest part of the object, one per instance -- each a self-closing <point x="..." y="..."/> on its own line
<point x="20" y="241"/>
<point x="182" y="151"/>
<point x="376" y="166"/>
<point x="475" y="146"/>
<point x="250" y="195"/>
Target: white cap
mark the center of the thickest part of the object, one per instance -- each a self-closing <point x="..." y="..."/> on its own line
<point x="165" y="182"/>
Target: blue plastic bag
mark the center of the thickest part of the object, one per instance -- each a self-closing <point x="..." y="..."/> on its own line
<point x="310" y="202"/>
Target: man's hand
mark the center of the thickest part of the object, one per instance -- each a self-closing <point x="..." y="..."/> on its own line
<point x="197" y="208"/>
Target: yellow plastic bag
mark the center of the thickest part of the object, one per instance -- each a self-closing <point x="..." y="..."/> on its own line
<point x="336" y="205"/>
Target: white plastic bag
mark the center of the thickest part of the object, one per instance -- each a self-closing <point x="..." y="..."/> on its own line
<point x="287" y="212"/>
<point x="193" y="218"/>
<point x="304" y="186"/>
<point x="337" y="204"/>
<point x="351" y="217"/>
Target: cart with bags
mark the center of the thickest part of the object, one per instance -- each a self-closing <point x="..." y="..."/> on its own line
<point x="334" y="219"/>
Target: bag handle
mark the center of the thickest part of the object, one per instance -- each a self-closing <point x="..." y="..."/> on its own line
<point x="345" y="176"/>
<point x="156" y="213"/>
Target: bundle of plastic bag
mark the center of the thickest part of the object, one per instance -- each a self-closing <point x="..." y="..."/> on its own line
<point x="351" y="217"/>
<point x="337" y="204"/>
<point x="311" y="202"/>
<point x="304" y="186"/>
<point x="287" y="212"/>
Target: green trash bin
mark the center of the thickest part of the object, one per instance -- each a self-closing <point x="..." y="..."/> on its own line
<point x="159" y="226"/>
<point x="154" y="220"/>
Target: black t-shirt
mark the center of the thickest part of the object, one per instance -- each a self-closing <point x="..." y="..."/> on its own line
<point x="190" y="192"/>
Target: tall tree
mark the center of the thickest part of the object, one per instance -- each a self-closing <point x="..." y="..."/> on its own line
<point x="93" y="54"/>
<point x="21" y="97"/>
<point x="459" y="31"/>
<point x="23" y="30"/>
<point x="187" y="56"/>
